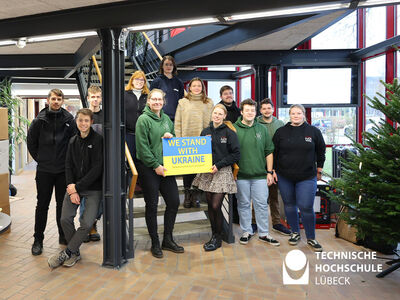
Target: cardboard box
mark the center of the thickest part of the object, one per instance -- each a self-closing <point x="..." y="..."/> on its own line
<point x="4" y="156"/>
<point x="3" y="123"/>
<point x="4" y="193"/>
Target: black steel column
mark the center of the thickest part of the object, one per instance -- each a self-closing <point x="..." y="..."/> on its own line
<point x="114" y="217"/>
<point x="261" y="82"/>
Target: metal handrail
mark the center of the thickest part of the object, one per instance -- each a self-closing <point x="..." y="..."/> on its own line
<point x="128" y="155"/>
<point x="152" y="45"/>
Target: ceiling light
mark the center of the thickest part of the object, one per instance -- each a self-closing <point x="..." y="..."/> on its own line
<point x="182" y="23"/>
<point x="56" y="37"/>
<point x="287" y="11"/>
<point x="21" y="43"/>
<point x="377" y="2"/>
<point x="7" y="43"/>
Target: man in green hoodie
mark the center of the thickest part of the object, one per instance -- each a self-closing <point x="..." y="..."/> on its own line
<point x="256" y="150"/>
<point x="272" y="124"/>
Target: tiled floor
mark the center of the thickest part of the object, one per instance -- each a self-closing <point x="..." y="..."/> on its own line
<point x="235" y="271"/>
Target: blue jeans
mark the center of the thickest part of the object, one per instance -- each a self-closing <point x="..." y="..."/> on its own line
<point x="256" y="190"/>
<point x="299" y="195"/>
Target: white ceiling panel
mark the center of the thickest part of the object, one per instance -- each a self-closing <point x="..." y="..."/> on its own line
<point x="53" y="47"/>
<point x="19" y="8"/>
<point x="286" y="39"/>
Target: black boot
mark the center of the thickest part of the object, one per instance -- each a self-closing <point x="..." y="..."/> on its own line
<point x="37" y="247"/>
<point x="187" y="202"/>
<point x="170" y="245"/>
<point x="214" y="243"/>
<point x="196" y="195"/>
<point x="156" y="249"/>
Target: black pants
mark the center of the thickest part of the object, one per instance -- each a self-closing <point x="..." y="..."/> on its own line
<point x="45" y="182"/>
<point x="151" y="184"/>
<point x="187" y="180"/>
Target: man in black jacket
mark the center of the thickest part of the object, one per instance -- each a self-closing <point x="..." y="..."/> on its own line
<point x="47" y="142"/>
<point x="83" y="171"/>
<point x="226" y="95"/>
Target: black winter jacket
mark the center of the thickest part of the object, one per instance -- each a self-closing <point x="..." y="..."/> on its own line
<point x="225" y="145"/>
<point x="173" y="89"/>
<point x="299" y="150"/>
<point x="233" y="112"/>
<point x="48" y="137"/>
<point x="84" y="162"/>
<point x="133" y="109"/>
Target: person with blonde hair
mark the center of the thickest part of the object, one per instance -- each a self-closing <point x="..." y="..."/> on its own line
<point x="217" y="183"/>
<point x="299" y="157"/>
<point x="135" y="98"/>
<point x="192" y="116"/>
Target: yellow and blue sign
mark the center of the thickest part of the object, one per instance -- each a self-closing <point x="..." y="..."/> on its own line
<point x="187" y="155"/>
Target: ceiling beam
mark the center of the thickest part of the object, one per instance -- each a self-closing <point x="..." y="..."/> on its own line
<point x="236" y="34"/>
<point x="43" y="80"/>
<point x="89" y="47"/>
<point x="37" y="61"/>
<point x="186" y="75"/>
<point x="389" y="44"/>
<point x="33" y="73"/>
<point x="125" y="13"/>
<point x="277" y="57"/>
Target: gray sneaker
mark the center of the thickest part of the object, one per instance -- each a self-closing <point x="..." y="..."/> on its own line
<point x="57" y="259"/>
<point x="72" y="260"/>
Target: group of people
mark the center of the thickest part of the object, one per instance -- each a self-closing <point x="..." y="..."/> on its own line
<point x="269" y="155"/>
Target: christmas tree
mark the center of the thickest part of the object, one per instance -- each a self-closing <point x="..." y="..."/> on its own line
<point x="370" y="182"/>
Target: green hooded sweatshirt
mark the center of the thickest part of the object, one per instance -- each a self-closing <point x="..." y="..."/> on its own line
<point x="149" y="130"/>
<point x="255" y="146"/>
<point x="273" y="126"/>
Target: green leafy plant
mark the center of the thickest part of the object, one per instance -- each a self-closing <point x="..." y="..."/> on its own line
<point x="370" y="182"/>
<point x="17" y="133"/>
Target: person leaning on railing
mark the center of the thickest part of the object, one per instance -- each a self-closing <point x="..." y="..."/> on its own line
<point x="151" y="127"/>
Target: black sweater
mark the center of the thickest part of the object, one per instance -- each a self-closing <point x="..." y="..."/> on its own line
<point x="299" y="150"/>
<point x="225" y="145"/>
<point x="84" y="162"/>
<point x="233" y="112"/>
<point x="173" y="89"/>
<point x="133" y="109"/>
<point x="48" y="137"/>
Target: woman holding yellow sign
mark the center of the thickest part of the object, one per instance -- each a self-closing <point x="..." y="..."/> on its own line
<point x="151" y="127"/>
<point x="225" y="152"/>
<point x="193" y="114"/>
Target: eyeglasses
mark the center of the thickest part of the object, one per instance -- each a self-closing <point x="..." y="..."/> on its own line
<point x="139" y="79"/>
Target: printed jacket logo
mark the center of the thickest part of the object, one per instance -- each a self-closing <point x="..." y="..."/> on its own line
<point x="224" y="140"/>
<point x="308" y="139"/>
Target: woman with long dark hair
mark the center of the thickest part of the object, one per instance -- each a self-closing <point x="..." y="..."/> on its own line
<point x="217" y="183"/>
<point x="168" y="82"/>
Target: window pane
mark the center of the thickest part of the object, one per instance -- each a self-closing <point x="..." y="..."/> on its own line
<point x="283" y="114"/>
<point x="374" y="72"/>
<point x="341" y="35"/>
<point x="335" y="123"/>
<point x="215" y="86"/>
<point x="375" y="25"/>
<point x="245" y="88"/>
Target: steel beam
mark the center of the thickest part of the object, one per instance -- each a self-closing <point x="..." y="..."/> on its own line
<point x="59" y="61"/>
<point x="114" y="188"/>
<point x="236" y="34"/>
<point x="186" y="75"/>
<point x="261" y="83"/>
<point x="278" y="57"/>
<point x="389" y="44"/>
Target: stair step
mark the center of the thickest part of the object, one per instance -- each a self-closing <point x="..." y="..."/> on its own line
<point x="197" y="226"/>
<point x="139" y="212"/>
